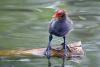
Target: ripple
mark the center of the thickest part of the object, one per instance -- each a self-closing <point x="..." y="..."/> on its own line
<point x="79" y="25"/>
<point x="22" y="60"/>
<point x="54" y="5"/>
<point x="37" y="27"/>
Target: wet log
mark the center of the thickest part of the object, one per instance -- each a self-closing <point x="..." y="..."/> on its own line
<point x="75" y="48"/>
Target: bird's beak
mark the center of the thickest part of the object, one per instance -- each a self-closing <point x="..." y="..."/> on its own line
<point x="57" y="15"/>
<point x="54" y="16"/>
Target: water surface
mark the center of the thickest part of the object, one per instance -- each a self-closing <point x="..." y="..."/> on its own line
<point x="24" y="24"/>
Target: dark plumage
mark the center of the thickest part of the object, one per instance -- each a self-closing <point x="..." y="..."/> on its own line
<point x="60" y="26"/>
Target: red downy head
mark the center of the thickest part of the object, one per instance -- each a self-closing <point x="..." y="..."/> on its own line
<point x="59" y="14"/>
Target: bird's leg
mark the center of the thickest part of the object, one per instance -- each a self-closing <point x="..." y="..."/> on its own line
<point x="66" y="49"/>
<point x="65" y="52"/>
<point x="48" y="50"/>
<point x="49" y="46"/>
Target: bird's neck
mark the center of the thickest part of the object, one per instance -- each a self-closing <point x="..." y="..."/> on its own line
<point x="62" y="19"/>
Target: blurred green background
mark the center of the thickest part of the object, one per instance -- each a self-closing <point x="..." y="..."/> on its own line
<point x="24" y="24"/>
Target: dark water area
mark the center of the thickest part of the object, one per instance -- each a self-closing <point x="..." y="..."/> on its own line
<point x="24" y="24"/>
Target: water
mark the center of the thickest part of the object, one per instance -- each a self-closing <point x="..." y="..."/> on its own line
<point x="24" y="24"/>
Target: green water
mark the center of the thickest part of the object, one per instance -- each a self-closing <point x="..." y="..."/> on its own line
<point x="24" y="24"/>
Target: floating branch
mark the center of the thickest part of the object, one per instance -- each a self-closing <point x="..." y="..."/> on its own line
<point x="76" y="51"/>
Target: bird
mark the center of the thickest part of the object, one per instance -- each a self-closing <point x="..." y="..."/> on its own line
<point x="60" y="25"/>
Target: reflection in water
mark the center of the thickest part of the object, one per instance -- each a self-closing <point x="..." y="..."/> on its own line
<point x="24" y="24"/>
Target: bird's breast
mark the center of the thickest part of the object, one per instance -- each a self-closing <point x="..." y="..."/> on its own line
<point x="59" y="28"/>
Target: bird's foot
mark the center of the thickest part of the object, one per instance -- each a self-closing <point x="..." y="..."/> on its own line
<point x="66" y="49"/>
<point x="48" y="55"/>
<point x="64" y="46"/>
<point x="48" y="52"/>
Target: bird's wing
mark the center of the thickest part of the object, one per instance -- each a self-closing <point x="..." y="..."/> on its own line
<point x="51" y="23"/>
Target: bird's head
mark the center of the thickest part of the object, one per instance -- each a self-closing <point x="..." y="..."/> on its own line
<point x="60" y="13"/>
